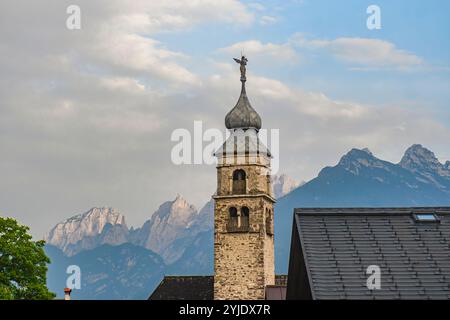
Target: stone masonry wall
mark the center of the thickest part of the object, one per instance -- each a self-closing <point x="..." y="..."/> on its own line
<point x="244" y="262"/>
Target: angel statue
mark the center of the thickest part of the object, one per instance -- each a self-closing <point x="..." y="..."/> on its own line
<point x="243" y="62"/>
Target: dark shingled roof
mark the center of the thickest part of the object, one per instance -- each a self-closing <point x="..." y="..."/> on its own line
<point x="332" y="248"/>
<point x="201" y="288"/>
<point x="184" y="288"/>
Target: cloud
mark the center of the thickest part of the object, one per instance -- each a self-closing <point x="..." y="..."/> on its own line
<point x="358" y="53"/>
<point x="176" y="15"/>
<point x="126" y="84"/>
<point x="139" y="55"/>
<point x="256" y="6"/>
<point x="316" y="129"/>
<point x="372" y="53"/>
<point x="86" y="116"/>
<point x="267" y="20"/>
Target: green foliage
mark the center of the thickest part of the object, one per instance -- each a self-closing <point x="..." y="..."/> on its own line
<point x="23" y="263"/>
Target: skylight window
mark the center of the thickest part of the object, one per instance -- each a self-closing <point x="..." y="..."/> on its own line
<point x="425" y="217"/>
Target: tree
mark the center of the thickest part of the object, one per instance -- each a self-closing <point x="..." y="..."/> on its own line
<point x="23" y="263"/>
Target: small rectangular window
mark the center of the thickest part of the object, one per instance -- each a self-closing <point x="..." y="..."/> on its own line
<point x="425" y="217"/>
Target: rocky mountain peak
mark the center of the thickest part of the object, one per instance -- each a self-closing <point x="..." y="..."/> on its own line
<point x="87" y="228"/>
<point x="172" y="221"/>
<point x="283" y="184"/>
<point x="177" y="212"/>
<point x="418" y="155"/>
<point x="180" y="203"/>
<point x="366" y="150"/>
<point x="356" y="156"/>
<point x="447" y="165"/>
<point x="418" y="158"/>
<point x="357" y="159"/>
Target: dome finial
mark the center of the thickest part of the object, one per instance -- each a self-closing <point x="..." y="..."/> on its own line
<point x="243" y="62"/>
<point x="243" y="116"/>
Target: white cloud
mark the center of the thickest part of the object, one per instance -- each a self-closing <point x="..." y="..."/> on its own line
<point x="175" y="15"/>
<point x="143" y="55"/>
<point x="267" y="20"/>
<point x="86" y="117"/>
<point x="358" y="53"/>
<point x="372" y="53"/>
<point x="256" y="6"/>
<point x="120" y="83"/>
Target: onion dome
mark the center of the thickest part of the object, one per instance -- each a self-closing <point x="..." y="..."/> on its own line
<point x="243" y="116"/>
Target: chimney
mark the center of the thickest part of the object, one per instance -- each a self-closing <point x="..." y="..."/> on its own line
<point x="67" y="292"/>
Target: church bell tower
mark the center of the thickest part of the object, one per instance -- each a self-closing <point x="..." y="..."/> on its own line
<point x="243" y="213"/>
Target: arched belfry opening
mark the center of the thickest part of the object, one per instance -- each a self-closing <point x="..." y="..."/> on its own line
<point x="239" y="182"/>
<point x="239" y="220"/>
<point x="234" y="218"/>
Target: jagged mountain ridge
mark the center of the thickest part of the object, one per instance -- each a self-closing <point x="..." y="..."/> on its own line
<point x="100" y="226"/>
<point x="187" y="247"/>
<point x="173" y="221"/>
<point x="170" y="229"/>
<point x="88" y="230"/>
<point x="424" y="163"/>
<point x="362" y="180"/>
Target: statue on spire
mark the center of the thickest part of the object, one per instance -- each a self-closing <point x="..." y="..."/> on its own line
<point x="243" y="62"/>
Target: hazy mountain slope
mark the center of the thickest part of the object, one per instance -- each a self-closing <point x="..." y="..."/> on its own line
<point x="198" y="258"/>
<point x="108" y="272"/>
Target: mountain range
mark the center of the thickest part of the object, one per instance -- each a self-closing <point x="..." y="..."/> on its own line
<point x="177" y="233"/>
<point x="178" y="238"/>
<point x="170" y="228"/>
<point x="362" y="180"/>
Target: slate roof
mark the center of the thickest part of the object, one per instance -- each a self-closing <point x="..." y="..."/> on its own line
<point x="332" y="248"/>
<point x="184" y="288"/>
<point x="202" y="288"/>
